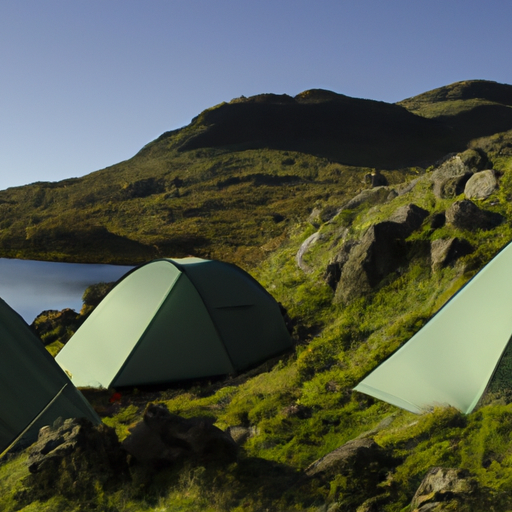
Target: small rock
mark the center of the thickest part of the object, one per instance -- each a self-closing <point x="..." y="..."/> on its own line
<point x="445" y="252"/>
<point x="314" y="217"/>
<point x="466" y="215"/>
<point x="481" y="185"/>
<point x="240" y="434"/>
<point x="163" y="438"/>
<point x="356" y="455"/>
<point x="378" y="179"/>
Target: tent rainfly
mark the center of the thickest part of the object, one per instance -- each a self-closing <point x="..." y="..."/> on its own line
<point x="452" y="359"/>
<point x="34" y="391"/>
<point x="171" y="320"/>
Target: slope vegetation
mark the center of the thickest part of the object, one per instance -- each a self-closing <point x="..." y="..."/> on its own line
<point x="299" y="408"/>
<point x="232" y="183"/>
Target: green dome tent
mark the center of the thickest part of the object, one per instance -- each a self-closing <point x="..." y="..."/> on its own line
<point x="452" y="359"/>
<point x="34" y="391"/>
<point x="171" y="320"/>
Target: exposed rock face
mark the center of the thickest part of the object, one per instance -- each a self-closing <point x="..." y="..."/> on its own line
<point x="381" y="251"/>
<point x="481" y="185"/>
<point x="71" y="456"/>
<point x="445" y="252"/>
<point x="163" y="438"/>
<point x="466" y="215"/>
<point x="333" y="272"/>
<point x="443" y="487"/>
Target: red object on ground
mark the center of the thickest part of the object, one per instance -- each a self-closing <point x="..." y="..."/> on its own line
<point x="115" y="397"/>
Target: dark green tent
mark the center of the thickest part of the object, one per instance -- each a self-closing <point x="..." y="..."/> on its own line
<point x="34" y="391"/>
<point x="171" y="320"/>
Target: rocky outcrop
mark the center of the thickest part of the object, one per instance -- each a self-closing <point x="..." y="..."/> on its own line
<point x="371" y="196"/>
<point x="481" y="185"/>
<point x="450" y="178"/>
<point x="162" y="439"/>
<point x="381" y="250"/>
<point x="467" y="215"/>
<point x="444" y="489"/>
<point x="71" y="457"/>
<point x="53" y="325"/>
<point x="444" y="252"/>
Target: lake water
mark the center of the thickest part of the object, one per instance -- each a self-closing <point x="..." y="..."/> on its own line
<point x="31" y="287"/>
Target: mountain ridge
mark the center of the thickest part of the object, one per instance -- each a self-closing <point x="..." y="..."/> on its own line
<point x="216" y="186"/>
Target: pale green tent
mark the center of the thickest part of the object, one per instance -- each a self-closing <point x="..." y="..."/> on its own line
<point x="452" y="359"/>
<point x="34" y="391"/>
<point x="171" y="320"/>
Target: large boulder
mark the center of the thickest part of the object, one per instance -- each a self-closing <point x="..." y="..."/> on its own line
<point x="467" y="215"/>
<point x="162" y="439"/>
<point x="445" y="489"/>
<point x="381" y="251"/>
<point x="481" y="185"/>
<point x="444" y="252"/>
<point x="334" y="267"/>
<point x="451" y="187"/>
<point x="409" y="217"/>
<point x="73" y="457"/>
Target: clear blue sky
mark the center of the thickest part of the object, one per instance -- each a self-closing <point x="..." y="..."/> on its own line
<point x="85" y="84"/>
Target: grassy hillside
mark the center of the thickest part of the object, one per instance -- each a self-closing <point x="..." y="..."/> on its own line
<point x="234" y="182"/>
<point x="300" y="406"/>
